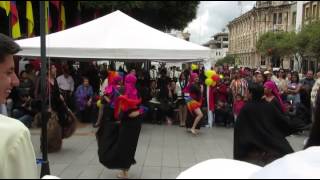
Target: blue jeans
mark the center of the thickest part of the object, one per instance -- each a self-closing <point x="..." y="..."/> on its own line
<point x="26" y="119"/>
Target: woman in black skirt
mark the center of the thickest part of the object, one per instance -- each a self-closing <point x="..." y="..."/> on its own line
<point x="118" y="136"/>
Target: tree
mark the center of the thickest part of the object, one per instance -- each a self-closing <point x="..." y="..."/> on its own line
<point x="308" y="42"/>
<point x="277" y="45"/>
<point x="162" y="15"/>
<point x="230" y="60"/>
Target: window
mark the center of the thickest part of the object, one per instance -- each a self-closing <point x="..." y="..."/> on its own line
<point x="274" y="18"/>
<point x="280" y="18"/>
<point x="314" y="11"/>
<point x="294" y="18"/>
<point x="307" y="12"/>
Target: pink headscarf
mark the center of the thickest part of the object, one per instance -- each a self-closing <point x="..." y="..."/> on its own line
<point x="275" y="91"/>
<point x="114" y="81"/>
<point x="192" y="79"/>
<point x="130" y="87"/>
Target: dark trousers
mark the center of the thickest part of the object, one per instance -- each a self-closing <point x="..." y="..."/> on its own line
<point x="85" y="115"/>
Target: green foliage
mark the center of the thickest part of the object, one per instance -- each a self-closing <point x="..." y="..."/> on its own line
<point x="312" y="32"/>
<point x="277" y="44"/>
<point x="163" y="15"/>
<point x="230" y="60"/>
<point x="305" y="43"/>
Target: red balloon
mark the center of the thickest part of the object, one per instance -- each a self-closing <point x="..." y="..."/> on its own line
<point x="216" y="78"/>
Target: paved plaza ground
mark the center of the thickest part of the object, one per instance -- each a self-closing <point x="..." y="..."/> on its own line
<point x="163" y="152"/>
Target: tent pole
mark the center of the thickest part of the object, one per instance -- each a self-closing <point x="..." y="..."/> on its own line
<point x="45" y="170"/>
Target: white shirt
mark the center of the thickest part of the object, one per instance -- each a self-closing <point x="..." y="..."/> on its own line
<point x="153" y="74"/>
<point x="17" y="157"/>
<point x="66" y="84"/>
<point x="103" y="86"/>
<point x="3" y="110"/>
<point x="174" y="74"/>
<point x="178" y="89"/>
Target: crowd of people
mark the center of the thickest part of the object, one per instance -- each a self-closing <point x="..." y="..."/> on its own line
<point x="163" y="91"/>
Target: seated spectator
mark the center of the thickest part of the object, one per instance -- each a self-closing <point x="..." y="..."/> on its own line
<point x="84" y="95"/>
<point x="26" y="84"/>
<point x="22" y="109"/>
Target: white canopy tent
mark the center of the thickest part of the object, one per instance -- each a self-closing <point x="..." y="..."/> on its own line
<point x="115" y="36"/>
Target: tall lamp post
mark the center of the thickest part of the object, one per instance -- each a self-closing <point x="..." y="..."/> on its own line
<point x="45" y="170"/>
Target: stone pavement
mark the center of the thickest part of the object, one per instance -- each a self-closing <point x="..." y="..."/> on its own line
<point x="163" y="152"/>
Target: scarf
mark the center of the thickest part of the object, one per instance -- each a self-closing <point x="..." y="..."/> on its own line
<point x="275" y="91"/>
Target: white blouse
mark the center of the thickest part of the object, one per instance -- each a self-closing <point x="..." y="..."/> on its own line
<point x="17" y="157"/>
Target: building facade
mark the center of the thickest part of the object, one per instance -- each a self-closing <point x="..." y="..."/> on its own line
<point x="180" y="34"/>
<point x="218" y="41"/>
<point x="219" y="45"/>
<point x="310" y="13"/>
<point x="244" y="32"/>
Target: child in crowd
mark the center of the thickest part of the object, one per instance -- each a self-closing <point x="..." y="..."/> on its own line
<point x="237" y="106"/>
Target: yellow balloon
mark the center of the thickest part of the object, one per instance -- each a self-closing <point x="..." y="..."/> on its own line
<point x="214" y="73"/>
<point x="194" y="67"/>
<point x="209" y="82"/>
<point x="99" y="104"/>
<point x="209" y="73"/>
<point x="221" y="76"/>
<point x="214" y="83"/>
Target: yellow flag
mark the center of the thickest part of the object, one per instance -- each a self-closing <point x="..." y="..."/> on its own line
<point x="63" y="17"/>
<point x="29" y="15"/>
<point x="6" y="6"/>
<point x="48" y="17"/>
<point x="15" y="25"/>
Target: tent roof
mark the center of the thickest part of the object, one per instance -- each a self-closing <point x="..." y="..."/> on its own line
<point x="115" y="36"/>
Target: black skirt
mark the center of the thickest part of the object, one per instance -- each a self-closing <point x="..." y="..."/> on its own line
<point x="117" y="142"/>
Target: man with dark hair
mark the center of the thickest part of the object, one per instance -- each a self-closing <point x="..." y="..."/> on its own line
<point x="66" y="85"/>
<point x="16" y="151"/>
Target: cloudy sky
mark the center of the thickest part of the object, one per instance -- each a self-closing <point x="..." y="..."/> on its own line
<point x="213" y="16"/>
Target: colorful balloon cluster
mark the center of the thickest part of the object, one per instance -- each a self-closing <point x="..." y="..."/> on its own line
<point x="212" y="78"/>
<point x="194" y="67"/>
